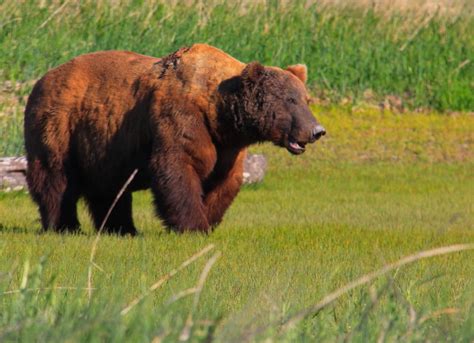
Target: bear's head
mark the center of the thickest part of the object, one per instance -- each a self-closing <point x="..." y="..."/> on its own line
<point x="273" y="106"/>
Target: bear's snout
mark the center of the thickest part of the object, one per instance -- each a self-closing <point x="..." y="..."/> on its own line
<point x="317" y="132"/>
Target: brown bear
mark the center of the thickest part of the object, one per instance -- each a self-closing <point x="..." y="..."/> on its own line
<point x="184" y="121"/>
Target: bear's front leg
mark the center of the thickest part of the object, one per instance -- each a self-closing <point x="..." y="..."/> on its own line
<point x="223" y="185"/>
<point x="178" y="194"/>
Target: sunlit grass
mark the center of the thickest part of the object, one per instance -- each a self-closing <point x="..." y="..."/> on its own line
<point x="313" y="225"/>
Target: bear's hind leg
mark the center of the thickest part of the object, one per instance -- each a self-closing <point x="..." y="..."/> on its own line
<point x="56" y="194"/>
<point x="68" y="221"/>
<point x="120" y="220"/>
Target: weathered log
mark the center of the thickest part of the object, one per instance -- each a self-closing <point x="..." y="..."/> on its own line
<point x="13" y="171"/>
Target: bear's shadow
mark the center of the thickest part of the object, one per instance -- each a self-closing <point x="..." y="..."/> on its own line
<point x="15" y="229"/>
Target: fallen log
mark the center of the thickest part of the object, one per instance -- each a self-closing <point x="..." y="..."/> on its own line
<point x="13" y="171"/>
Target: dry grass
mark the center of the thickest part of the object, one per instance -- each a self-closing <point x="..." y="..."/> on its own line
<point x="92" y="263"/>
<point x="410" y="7"/>
<point x="407" y="7"/>
<point x="169" y="275"/>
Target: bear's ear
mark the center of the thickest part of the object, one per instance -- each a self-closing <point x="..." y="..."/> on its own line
<point x="253" y="71"/>
<point x="300" y="71"/>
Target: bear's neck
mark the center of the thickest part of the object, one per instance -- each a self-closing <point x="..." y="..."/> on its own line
<point x="232" y="125"/>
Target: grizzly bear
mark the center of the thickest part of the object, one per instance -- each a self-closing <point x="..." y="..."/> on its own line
<point x="183" y="121"/>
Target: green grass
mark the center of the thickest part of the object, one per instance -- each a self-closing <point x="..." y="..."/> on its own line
<point x="355" y="133"/>
<point x="424" y="58"/>
<point x="314" y="224"/>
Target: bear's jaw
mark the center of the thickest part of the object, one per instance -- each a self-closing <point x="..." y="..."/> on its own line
<point x="295" y="148"/>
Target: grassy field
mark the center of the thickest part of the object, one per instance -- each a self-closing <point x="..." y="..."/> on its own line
<point x="379" y="186"/>
<point x="421" y="53"/>
<point x="316" y="223"/>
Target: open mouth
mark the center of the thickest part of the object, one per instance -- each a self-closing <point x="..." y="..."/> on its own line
<point x="296" y="148"/>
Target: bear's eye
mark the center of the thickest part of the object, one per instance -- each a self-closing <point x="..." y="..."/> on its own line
<point x="291" y="101"/>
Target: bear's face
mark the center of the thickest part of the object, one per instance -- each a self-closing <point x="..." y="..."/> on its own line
<point x="276" y="103"/>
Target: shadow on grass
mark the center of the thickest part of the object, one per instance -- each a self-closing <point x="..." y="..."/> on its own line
<point x="254" y="186"/>
<point x="16" y="229"/>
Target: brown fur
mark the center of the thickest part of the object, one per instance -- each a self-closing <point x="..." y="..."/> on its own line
<point x="184" y="121"/>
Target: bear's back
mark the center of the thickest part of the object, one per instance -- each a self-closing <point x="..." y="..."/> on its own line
<point x="112" y="78"/>
<point x="90" y="78"/>
<point x="203" y="67"/>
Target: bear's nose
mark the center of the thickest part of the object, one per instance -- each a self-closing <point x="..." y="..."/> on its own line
<point x="318" y="132"/>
